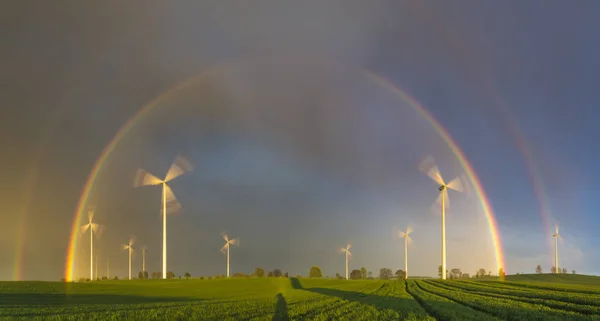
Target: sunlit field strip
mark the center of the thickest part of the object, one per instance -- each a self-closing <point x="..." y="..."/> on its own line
<point x="571" y="297"/>
<point x="539" y="298"/>
<point x="576" y="288"/>
<point x="505" y="308"/>
<point x="443" y="308"/>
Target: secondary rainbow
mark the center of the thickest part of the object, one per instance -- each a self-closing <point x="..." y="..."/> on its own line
<point x="99" y="165"/>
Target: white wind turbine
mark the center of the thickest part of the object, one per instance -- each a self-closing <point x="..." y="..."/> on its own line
<point x="428" y="166"/>
<point x="93" y="227"/>
<point x="225" y="248"/>
<point x="129" y="248"/>
<point x="407" y="240"/>
<point x="346" y="250"/>
<point x="556" y="237"/>
<point x="169" y="203"/>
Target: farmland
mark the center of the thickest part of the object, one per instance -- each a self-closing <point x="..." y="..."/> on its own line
<point x="536" y="297"/>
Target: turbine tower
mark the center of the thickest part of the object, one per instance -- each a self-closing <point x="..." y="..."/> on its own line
<point x="556" y="237"/>
<point x="225" y="248"/>
<point x="428" y="166"/>
<point x="407" y="240"/>
<point x="129" y="248"/>
<point x="93" y="227"/>
<point x="169" y="203"/>
<point x="346" y="250"/>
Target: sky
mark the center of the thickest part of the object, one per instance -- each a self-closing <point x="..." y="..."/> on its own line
<point x="295" y="150"/>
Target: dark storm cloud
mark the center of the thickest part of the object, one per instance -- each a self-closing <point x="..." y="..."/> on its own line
<point x="72" y="73"/>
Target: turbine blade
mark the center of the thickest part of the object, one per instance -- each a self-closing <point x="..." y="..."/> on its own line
<point x="341" y="249"/>
<point x="224" y="235"/>
<point x="235" y="241"/>
<point x="90" y="216"/>
<point x="173" y="205"/>
<point x="349" y="255"/>
<point x="179" y="167"/>
<point x="124" y="247"/>
<point x="428" y="166"/>
<point x="348" y="246"/>
<point x="224" y="248"/>
<point x="556" y="228"/>
<point x="84" y="228"/>
<point x="456" y="184"/>
<point x="143" y="178"/>
<point x="408" y="230"/>
<point x="438" y="201"/>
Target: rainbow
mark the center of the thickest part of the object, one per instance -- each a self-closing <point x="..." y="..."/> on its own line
<point x="99" y="165"/>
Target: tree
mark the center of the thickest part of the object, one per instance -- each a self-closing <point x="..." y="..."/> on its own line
<point x="260" y="273"/>
<point x="538" y="269"/>
<point x="355" y="275"/>
<point x="315" y="272"/>
<point x="466" y="276"/>
<point x="455" y="274"/>
<point x="501" y="272"/>
<point x="170" y="275"/>
<point x="270" y="274"/>
<point x="145" y="275"/>
<point x="286" y="275"/>
<point x="187" y="275"/>
<point x="574" y="272"/>
<point x="440" y="271"/>
<point x="480" y="273"/>
<point x="385" y="273"/>
<point x="553" y="269"/>
<point x="565" y="271"/>
<point x="141" y="275"/>
<point x="400" y="274"/>
<point x="338" y="276"/>
<point x="277" y="273"/>
<point x="370" y="274"/>
<point x="116" y="278"/>
<point x="363" y="273"/>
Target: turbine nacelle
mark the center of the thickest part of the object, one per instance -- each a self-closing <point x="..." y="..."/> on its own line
<point x="228" y="242"/>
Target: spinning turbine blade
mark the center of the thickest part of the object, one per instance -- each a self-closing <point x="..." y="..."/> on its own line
<point x="224" y="235"/>
<point x="143" y="178"/>
<point x="438" y="201"/>
<point x="455" y="184"/>
<point x="408" y="230"/>
<point x="428" y="166"/>
<point x="179" y="167"/>
<point x="84" y="228"/>
<point x="173" y="205"/>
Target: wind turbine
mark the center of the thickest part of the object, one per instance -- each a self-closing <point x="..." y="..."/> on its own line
<point x="407" y="240"/>
<point x="179" y="167"/>
<point x="129" y="248"/>
<point x="348" y="253"/>
<point x="428" y="166"/>
<point x="225" y="248"/>
<point x="93" y="227"/>
<point x="556" y="237"/>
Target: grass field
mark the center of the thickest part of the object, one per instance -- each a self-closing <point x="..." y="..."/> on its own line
<point x="523" y="297"/>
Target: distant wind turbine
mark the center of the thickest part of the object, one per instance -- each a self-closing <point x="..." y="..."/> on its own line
<point x="225" y="248"/>
<point x="129" y="248"/>
<point x="556" y="237"/>
<point x="407" y="239"/>
<point x="428" y="166"/>
<point x="169" y="203"/>
<point x="348" y="253"/>
<point x="93" y="227"/>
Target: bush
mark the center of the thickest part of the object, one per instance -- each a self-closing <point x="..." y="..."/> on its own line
<point x="315" y="272"/>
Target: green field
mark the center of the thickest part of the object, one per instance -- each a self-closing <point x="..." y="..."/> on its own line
<point x="523" y="297"/>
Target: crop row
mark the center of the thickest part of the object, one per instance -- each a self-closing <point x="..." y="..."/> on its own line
<point x="503" y="307"/>
<point x="442" y="308"/>
<point x="572" y="302"/>
<point x="572" y="288"/>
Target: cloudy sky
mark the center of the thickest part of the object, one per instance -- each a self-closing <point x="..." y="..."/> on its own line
<point x="296" y="149"/>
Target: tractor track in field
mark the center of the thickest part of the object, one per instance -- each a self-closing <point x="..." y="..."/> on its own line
<point x="455" y="300"/>
<point x="551" y="303"/>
